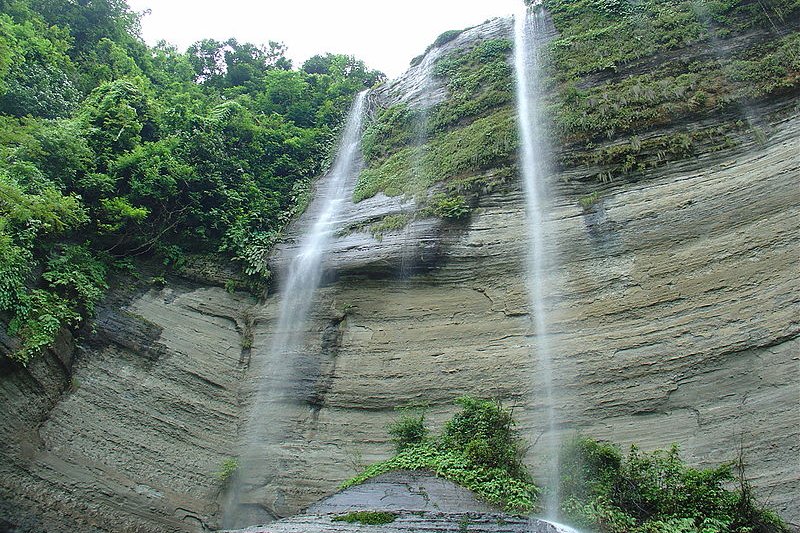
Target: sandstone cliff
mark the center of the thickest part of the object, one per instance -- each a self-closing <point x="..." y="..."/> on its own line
<point x="674" y="307"/>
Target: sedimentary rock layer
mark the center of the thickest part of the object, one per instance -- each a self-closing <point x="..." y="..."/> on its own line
<point x="674" y="305"/>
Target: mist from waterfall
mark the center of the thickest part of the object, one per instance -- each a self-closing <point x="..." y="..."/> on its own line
<point x="421" y="119"/>
<point x="528" y="26"/>
<point x="279" y="383"/>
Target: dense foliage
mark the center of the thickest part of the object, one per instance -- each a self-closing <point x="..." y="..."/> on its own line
<point x="622" y="80"/>
<point x="477" y="449"/>
<point x="111" y="150"/>
<point x="656" y="493"/>
<point x="629" y="76"/>
<point x="599" y="489"/>
<point x="460" y="142"/>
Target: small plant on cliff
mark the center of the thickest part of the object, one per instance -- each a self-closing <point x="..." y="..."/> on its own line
<point x="656" y="492"/>
<point x="409" y="430"/>
<point x="450" y="207"/>
<point x="478" y="449"/>
<point x="588" y="201"/>
<point x="389" y="224"/>
<point x="227" y="469"/>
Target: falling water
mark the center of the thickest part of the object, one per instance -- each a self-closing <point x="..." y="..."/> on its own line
<point x="306" y="267"/>
<point x="280" y="381"/>
<point x="424" y="75"/>
<point x="528" y="25"/>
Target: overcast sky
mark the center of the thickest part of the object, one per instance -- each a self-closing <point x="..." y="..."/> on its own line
<point x="386" y="35"/>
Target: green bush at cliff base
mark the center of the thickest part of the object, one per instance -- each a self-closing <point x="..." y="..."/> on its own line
<point x="410" y="430"/>
<point x="478" y="449"/>
<point x="655" y="493"/>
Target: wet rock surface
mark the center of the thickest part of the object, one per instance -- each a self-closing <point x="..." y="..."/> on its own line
<point x="131" y="440"/>
<point x="420" y="501"/>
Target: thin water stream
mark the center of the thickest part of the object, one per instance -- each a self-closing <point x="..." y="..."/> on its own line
<point x="528" y="25"/>
<point x="280" y="382"/>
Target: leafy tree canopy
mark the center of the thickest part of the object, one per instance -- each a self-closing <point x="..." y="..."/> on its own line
<point x="110" y="149"/>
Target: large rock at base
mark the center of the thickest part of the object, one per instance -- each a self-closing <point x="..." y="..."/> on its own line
<point x="421" y="502"/>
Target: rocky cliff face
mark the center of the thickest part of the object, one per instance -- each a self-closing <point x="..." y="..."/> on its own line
<point x="674" y="308"/>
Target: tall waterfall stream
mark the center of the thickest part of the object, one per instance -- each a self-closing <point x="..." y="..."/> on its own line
<point x="277" y="379"/>
<point x="528" y="26"/>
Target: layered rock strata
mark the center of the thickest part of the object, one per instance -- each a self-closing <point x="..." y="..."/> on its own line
<point x="674" y="307"/>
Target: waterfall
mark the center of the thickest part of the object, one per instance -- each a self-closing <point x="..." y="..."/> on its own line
<point x="528" y="26"/>
<point x="281" y="380"/>
<point x="305" y="270"/>
<point x="421" y="117"/>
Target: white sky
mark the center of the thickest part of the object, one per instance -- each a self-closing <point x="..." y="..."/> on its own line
<point x="386" y="35"/>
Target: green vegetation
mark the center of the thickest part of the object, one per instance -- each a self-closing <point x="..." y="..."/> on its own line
<point x="634" y="154"/>
<point x="605" y="35"/>
<point x="389" y="224"/>
<point x="588" y="201"/>
<point x="656" y="493"/>
<point x="450" y="207"/>
<point x="600" y="489"/>
<point x="372" y="518"/>
<point x="227" y="469"/>
<point x="409" y="430"/>
<point x="608" y="38"/>
<point x="442" y="39"/>
<point x="598" y="35"/>
<point x="608" y="88"/>
<point x="477" y="449"/>
<point x="677" y="91"/>
<point x="408" y="150"/>
<point x="478" y="81"/>
<point x="487" y="143"/>
<point x="111" y="150"/>
<point x="393" y="128"/>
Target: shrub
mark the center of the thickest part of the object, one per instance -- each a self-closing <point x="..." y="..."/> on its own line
<point x="589" y="200"/>
<point x="446" y="37"/>
<point x="227" y="469"/>
<point x="655" y="492"/>
<point x="408" y="430"/>
<point x="484" y="432"/>
<point x="478" y="450"/>
<point x="450" y="207"/>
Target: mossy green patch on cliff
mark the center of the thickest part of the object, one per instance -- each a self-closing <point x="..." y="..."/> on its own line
<point x="639" y="154"/>
<point x="602" y="35"/>
<point x="442" y="39"/>
<point x="391" y="130"/>
<point x="227" y="469"/>
<point x="768" y="68"/>
<point x="486" y="143"/>
<point x="477" y="81"/>
<point x="372" y="518"/>
<point x="389" y="224"/>
<point x="409" y="150"/>
<point x="677" y="91"/>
